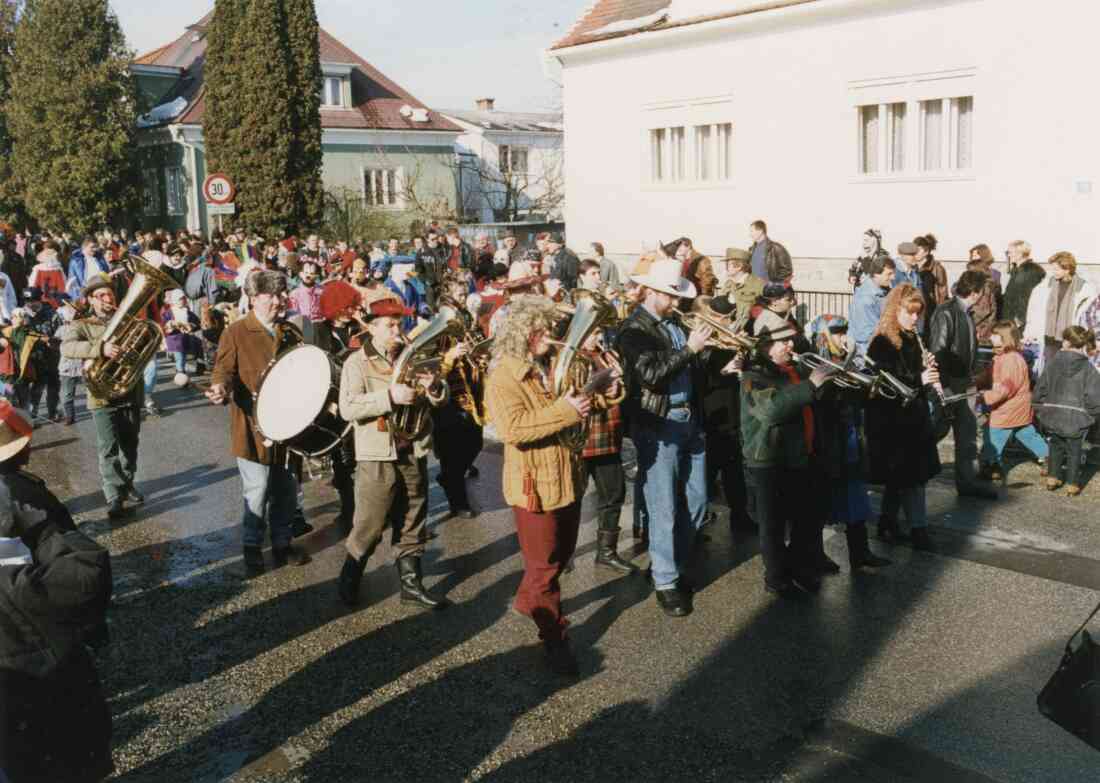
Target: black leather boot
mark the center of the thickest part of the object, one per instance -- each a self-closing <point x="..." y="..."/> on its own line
<point x="351" y="577"/>
<point x="888" y="531"/>
<point x="607" y="552"/>
<point x="859" y="552"/>
<point x="412" y="585"/>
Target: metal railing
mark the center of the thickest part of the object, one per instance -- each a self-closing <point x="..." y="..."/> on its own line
<point x="811" y="304"/>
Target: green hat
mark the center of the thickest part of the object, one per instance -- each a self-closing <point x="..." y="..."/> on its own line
<point x="95" y="283"/>
<point x="737" y="254"/>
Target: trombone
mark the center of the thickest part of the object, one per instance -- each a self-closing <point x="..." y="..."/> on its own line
<point x="882" y="384"/>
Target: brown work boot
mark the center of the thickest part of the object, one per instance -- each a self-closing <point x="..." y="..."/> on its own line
<point x="1073" y="490"/>
<point x="1053" y="483"/>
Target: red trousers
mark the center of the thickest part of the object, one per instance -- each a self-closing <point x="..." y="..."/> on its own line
<point x="547" y="541"/>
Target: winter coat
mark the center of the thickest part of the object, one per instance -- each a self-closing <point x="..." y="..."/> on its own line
<point x="1018" y="292"/>
<point x="651" y="364"/>
<point x="181" y="342"/>
<point x="539" y="473"/>
<point x="933" y="285"/>
<point x="365" y="401"/>
<point x="78" y="272"/>
<point x="55" y="722"/>
<point x="772" y="417"/>
<point x="1082" y="291"/>
<point x="778" y="261"/>
<point x="901" y="446"/>
<point x="1067" y="397"/>
<point x="952" y="338"/>
<point x="84" y="340"/>
<point x="245" y="350"/>
<point x="1010" y="395"/>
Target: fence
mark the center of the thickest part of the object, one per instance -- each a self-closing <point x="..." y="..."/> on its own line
<point x="811" y="304"/>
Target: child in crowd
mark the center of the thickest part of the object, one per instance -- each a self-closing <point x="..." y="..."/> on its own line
<point x="1068" y="399"/>
<point x="1009" y="397"/>
<point x="181" y="328"/>
<point x="70" y="370"/>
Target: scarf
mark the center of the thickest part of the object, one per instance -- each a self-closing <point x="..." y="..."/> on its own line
<point x="807" y="411"/>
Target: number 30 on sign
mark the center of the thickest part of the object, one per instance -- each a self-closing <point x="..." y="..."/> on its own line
<point x="217" y="189"/>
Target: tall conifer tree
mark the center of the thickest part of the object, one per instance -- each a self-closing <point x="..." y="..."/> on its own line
<point x="71" y="114"/>
<point x="260" y="126"/>
<point x="304" y="51"/>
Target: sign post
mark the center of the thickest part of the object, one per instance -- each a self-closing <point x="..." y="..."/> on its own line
<point x="219" y="192"/>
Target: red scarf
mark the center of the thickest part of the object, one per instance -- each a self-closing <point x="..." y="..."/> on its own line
<point x="807" y="411"/>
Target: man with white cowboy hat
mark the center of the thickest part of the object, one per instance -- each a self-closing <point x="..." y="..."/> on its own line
<point x="665" y="376"/>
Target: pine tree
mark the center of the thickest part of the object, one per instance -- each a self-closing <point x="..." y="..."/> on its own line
<point x="71" y="114"/>
<point x="11" y="201"/>
<point x="260" y="128"/>
<point x="304" y="59"/>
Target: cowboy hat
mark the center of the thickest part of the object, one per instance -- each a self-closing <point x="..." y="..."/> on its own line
<point x="664" y="276"/>
<point x="770" y="326"/>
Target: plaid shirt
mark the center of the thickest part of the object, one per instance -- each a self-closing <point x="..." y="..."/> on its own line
<point x="605" y="430"/>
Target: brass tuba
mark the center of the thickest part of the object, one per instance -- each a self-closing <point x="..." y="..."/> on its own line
<point x="572" y="369"/>
<point x="138" y="338"/>
<point x="423" y="354"/>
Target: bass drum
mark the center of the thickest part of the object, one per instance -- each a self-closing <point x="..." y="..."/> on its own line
<point x="297" y="404"/>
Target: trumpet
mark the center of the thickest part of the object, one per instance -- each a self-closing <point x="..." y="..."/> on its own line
<point x="726" y="337"/>
<point x="849" y="378"/>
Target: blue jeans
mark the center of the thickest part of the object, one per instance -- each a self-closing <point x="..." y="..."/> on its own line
<point x="180" y="360"/>
<point x="150" y="378"/>
<point x="672" y="467"/>
<point x="996" y="438"/>
<point x="270" y="496"/>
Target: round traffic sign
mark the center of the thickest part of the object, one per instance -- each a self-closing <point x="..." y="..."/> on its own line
<point x="218" y="189"/>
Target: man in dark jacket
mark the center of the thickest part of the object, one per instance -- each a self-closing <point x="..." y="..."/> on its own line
<point x="665" y="383"/>
<point x="770" y="260"/>
<point x="54" y="592"/>
<point x="564" y="263"/>
<point x="953" y="340"/>
<point x="431" y="264"/>
<point x="1024" y="274"/>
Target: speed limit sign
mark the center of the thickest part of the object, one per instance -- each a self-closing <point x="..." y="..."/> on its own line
<point x="218" y="189"/>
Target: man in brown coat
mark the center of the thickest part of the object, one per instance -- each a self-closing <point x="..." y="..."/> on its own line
<point x="244" y="352"/>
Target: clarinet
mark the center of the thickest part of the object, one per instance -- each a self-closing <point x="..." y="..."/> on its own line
<point x="946" y="400"/>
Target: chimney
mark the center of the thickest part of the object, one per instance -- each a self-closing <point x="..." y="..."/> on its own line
<point x="485" y="104"/>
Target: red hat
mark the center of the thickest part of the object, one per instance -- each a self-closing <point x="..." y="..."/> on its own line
<point x="382" y="308"/>
<point x="337" y="297"/>
<point x="15" y="431"/>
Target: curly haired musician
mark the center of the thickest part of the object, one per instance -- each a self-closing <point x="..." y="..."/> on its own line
<point x="392" y="473"/>
<point x="246" y="348"/>
<point x="540" y="479"/>
<point x="458" y="436"/>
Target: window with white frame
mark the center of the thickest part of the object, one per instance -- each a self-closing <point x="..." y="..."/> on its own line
<point x="176" y="189"/>
<point x="150" y="192"/>
<point x="513" y="160"/>
<point x="332" y="91"/>
<point x="713" y="150"/>
<point x="667" y="155"/>
<point x="882" y="138"/>
<point x="381" y="187"/>
<point x="915" y="126"/>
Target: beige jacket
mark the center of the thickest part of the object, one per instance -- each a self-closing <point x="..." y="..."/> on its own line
<point x="527" y="418"/>
<point x="365" y="401"/>
<point x="84" y="340"/>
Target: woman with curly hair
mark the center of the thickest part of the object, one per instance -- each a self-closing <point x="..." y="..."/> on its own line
<point x="901" y="444"/>
<point x="933" y="277"/>
<point x="540" y="479"/>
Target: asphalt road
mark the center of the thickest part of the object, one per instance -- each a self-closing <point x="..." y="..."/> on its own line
<point x="924" y="671"/>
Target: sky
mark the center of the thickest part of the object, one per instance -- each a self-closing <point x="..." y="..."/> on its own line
<point x="447" y="53"/>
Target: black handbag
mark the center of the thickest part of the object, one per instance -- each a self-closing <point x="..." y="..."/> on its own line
<point x="1072" y="696"/>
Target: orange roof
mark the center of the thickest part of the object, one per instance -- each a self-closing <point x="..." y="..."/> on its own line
<point x="380" y="99"/>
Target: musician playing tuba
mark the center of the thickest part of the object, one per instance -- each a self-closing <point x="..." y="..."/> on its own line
<point x="458" y="424"/>
<point x="392" y="472"/>
<point x="117" y="420"/>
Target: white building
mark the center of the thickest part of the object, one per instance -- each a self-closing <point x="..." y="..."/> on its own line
<point x="510" y="164"/>
<point x="970" y="119"/>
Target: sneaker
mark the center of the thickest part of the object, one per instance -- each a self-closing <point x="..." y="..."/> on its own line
<point x="135" y="496"/>
<point x="152" y="409"/>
